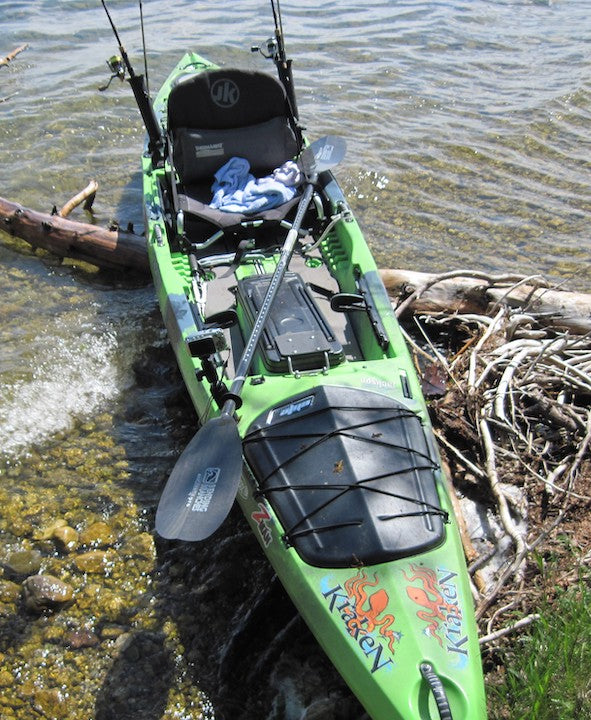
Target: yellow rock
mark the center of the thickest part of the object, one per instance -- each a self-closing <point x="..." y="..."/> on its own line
<point x="66" y="538"/>
<point x="6" y="679"/>
<point x="48" y="532"/>
<point x="97" y="535"/>
<point x="96" y="561"/>
<point x="51" y="703"/>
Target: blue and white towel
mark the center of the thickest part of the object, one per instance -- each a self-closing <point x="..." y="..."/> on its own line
<point x="236" y="190"/>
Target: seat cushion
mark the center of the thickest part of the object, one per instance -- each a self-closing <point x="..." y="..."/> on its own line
<point x="193" y="201"/>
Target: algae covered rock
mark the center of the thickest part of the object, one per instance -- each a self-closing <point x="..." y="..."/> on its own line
<point x="97" y="535"/>
<point x="96" y="561"/>
<point x="140" y="546"/>
<point x="51" y="704"/>
<point x="21" y="563"/>
<point x="6" y="679"/>
<point x="9" y="591"/>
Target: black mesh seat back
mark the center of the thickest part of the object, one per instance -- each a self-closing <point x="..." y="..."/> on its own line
<point x="219" y="114"/>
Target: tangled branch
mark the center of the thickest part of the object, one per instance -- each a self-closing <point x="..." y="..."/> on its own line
<point x="515" y="425"/>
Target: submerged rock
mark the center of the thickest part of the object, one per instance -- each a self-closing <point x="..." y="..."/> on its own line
<point x="65" y="538"/>
<point x="140" y="546"/>
<point x="9" y="591"/>
<point x="47" y="532"/>
<point x="95" y="561"/>
<point x="112" y="632"/>
<point x="81" y="638"/>
<point x="51" y="704"/>
<point x="97" y="535"/>
<point x="46" y="592"/>
<point x="6" y="679"/>
<point x="22" y="563"/>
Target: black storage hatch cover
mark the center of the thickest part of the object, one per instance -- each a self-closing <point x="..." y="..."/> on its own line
<point x="350" y="475"/>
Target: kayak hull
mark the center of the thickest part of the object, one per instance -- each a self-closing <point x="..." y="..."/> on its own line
<point x="378" y="574"/>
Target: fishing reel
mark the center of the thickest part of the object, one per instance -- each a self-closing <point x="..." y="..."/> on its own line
<point x="117" y="67"/>
<point x="272" y="49"/>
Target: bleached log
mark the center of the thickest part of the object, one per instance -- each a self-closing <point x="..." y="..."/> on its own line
<point x="11" y="55"/>
<point x="469" y="292"/>
<point x="85" y="196"/>
<point x="110" y="249"/>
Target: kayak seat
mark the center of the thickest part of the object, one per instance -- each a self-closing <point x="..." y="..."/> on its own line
<point x="350" y="475"/>
<point x="219" y="114"/>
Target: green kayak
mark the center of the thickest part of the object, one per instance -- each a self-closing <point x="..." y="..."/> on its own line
<point x="310" y="413"/>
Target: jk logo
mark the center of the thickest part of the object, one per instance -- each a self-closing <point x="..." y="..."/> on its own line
<point x="225" y="93"/>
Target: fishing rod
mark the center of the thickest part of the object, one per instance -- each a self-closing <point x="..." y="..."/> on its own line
<point x="276" y="52"/>
<point x="282" y="62"/>
<point x="144" y="48"/>
<point x="140" y="93"/>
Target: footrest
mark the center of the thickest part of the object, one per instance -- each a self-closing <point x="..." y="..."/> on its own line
<point x="301" y="343"/>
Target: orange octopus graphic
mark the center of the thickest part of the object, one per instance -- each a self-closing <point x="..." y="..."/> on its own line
<point x="438" y="609"/>
<point x="369" y="607"/>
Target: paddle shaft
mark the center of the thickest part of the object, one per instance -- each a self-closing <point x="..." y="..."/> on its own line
<point x="204" y="481"/>
<point x="249" y="351"/>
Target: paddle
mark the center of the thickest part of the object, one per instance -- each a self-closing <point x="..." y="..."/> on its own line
<point x="203" y="484"/>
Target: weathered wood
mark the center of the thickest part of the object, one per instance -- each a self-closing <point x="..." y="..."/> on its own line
<point x="469" y="292"/>
<point x="85" y="196"/>
<point x="110" y="249"/>
<point x="11" y="55"/>
<point x="461" y="291"/>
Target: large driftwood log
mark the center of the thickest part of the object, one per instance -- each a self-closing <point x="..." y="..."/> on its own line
<point x="464" y="292"/>
<point x="110" y="249"/>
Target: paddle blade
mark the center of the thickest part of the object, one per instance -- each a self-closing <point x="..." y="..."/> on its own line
<point x="203" y="484"/>
<point x="322" y="154"/>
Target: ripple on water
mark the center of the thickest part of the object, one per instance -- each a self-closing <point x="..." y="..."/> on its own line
<point x="73" y="377"/>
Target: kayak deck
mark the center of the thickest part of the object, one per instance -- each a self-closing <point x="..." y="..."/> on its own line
<point x="342" y="483"/>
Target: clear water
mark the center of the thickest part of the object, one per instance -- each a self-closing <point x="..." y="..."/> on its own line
<point x="467" y="126"/>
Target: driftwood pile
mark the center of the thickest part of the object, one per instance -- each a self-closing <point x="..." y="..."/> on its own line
<point x="514" y="421"/>
<point x="509" y="361"/>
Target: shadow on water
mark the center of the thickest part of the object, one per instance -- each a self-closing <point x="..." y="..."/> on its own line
<point x="133" y="688"/>
<point x="222" y="623"/>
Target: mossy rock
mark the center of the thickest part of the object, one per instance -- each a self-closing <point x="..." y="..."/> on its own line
<point x="96" y="561"/>
<point x="22" y="563"/>
<point x="97" y="535"/>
